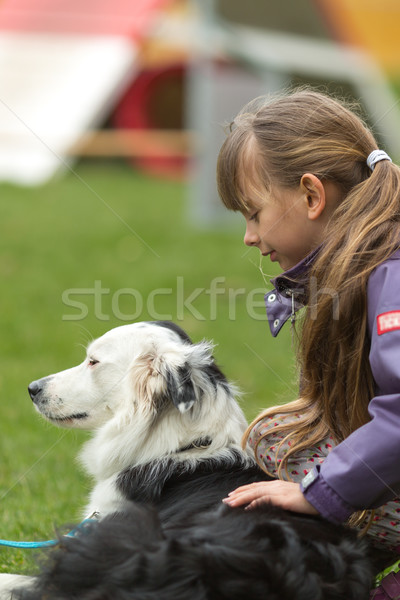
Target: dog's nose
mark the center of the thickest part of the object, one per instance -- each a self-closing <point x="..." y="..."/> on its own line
<point x="34" y="389"/>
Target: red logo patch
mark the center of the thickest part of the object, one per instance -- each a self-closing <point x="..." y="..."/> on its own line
<point x="388" y="321"/>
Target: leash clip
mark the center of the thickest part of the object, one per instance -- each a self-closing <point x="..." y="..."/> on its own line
<point x="94" y="516"/>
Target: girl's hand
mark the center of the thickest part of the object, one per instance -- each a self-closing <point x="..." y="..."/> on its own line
<point x="285" y="494"/>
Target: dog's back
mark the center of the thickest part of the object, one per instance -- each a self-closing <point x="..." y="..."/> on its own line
<point x="188" y="546"/>
<point x="179" y="490"/>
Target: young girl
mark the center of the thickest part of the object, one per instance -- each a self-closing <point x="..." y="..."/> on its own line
<point x="320" y="199"/>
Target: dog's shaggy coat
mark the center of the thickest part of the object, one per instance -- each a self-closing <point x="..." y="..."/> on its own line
<point x="166" y="450"/>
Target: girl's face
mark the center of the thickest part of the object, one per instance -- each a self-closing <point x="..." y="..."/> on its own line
<point x="278" y="223"/>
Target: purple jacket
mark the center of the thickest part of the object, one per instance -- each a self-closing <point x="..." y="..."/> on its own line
<point x="364" y="470"/>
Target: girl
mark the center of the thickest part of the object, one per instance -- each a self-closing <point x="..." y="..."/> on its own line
<point x="320" y="199"/>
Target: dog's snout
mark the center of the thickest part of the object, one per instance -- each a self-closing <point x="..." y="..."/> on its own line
<point x="34" y="389"/>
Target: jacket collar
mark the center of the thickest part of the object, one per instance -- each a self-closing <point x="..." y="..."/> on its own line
<point x="296" y="279"/>
<point x="290" y="293"/>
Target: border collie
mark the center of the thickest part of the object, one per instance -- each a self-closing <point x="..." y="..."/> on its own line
<point x="166" y="449"/>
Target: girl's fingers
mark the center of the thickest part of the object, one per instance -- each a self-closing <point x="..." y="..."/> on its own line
<point x="285" y="494"/>
<point x="245" y="494"/>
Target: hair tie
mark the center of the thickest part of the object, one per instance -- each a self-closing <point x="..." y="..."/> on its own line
<point x="376" y="156"/>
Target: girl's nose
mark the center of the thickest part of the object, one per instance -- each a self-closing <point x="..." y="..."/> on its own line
<point x="251" y="238"/>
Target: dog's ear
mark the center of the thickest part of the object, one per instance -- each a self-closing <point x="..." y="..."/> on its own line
<point x="160" y="378"/>
<point x="176" y="374"/>
<point x="180" y="388"/>
<point x="186" y="382"/>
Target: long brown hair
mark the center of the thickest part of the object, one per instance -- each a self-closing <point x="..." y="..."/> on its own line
<point x="309" y="132"/>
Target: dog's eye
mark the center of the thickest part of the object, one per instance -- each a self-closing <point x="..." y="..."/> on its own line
<point x="92" y="362"/>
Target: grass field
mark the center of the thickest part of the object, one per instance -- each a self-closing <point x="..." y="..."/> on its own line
<point x="87" y="252"/>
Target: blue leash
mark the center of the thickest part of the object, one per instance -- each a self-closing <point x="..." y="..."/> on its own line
<point x="93" y="518"/>
<point x="11" y="544"/>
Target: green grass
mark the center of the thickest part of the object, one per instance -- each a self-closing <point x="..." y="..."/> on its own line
<point x="111" y="225"/>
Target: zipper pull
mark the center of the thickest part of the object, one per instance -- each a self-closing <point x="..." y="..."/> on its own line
<point x="293" y="315"/>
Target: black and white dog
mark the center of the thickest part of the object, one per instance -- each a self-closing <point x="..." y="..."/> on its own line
<point x="166" y="449"/>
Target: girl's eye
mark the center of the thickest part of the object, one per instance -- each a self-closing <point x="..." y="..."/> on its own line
<point x="254" y="216"/>
<point x="92" y="362"/>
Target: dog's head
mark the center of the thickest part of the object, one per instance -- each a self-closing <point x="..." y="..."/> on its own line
<point x="144" y="368"/>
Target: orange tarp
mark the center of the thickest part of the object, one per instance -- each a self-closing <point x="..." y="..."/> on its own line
<point x="371" y="24"/>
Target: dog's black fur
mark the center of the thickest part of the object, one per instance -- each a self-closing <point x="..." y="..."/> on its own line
<point x="178" y="542"/>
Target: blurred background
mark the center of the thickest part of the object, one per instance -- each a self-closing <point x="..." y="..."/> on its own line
<point x="111" y="117"/>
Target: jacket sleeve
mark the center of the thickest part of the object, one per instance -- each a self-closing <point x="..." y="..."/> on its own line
<point x="363" y="471"/>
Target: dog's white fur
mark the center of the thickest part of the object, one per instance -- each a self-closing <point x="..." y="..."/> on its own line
<point x="121" y="392"/>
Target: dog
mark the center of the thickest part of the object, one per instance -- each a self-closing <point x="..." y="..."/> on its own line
<point x="166" y="450"/>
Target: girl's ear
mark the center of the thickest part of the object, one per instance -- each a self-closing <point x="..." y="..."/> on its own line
<point x="315" y="197"/>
